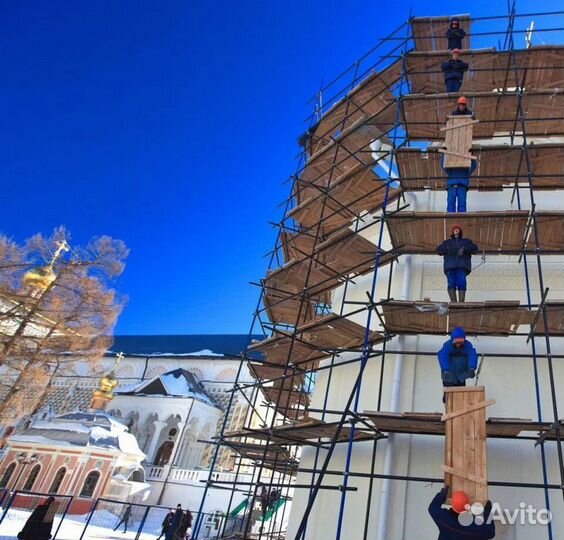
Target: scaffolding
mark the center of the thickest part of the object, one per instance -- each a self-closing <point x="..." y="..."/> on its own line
<point x="326" y="301"/>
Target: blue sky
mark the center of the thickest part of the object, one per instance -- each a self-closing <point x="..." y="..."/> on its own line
<point x="172" y="125"/>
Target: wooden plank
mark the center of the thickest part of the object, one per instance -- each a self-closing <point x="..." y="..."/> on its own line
<point x="369" y="97"/>
<point x="458" y="126"/>
<point x="467" y="476"/>
<point x="481" y="457"/>
<point x="458" y="154"/>
<point x="458" y="142"/>
<point x="498" y="166"/>
<point x="469" y="446"/>
<point x="465" y="444"/>
<point x="543" y="110"/>
<point x="469" y="409"/>
<point x="448" y="438"/>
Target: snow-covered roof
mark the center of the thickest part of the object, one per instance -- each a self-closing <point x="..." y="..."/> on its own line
<point x="209" y="346"/>
<point x="81" y="429"/>
<point x="176" y="383"/>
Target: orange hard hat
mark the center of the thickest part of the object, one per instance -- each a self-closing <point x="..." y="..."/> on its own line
<point x="459" y="501"/>
<point x="463" y="100"/>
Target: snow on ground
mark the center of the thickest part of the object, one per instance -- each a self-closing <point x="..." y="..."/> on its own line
<point x="101" y="527"/>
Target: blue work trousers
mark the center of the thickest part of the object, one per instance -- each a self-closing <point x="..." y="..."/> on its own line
<point x="453" y="85"/>
<point x="456" y="194"/>
<point x="456" y="278"/>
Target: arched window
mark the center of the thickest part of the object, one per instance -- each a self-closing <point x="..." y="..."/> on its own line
<point x="57" y="481"/>
<point x="28" y="486"/>
<point x="7" y="474"/>
<point x="90" y="484"/>
<point x="138" y="475"/>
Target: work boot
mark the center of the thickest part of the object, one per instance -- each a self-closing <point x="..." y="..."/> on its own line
<point x="461" y="296"/>
<point x="452" y="294"/>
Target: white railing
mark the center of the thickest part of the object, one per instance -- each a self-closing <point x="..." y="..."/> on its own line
<point x="153" y="472"/>
<point x="187" y="476"/>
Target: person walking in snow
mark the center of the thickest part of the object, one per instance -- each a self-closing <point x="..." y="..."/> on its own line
<point x="457" y="253"/>
<point x="454" y="70"/>
<point x="455" y="34"/>
<point x="174" y="523"/>
<point x="124" y="519"/>
<point x="166" y="523"/>
<point x="185" y="524"/>
<point x="458" y="359"/>
<point x="39" y="524"/>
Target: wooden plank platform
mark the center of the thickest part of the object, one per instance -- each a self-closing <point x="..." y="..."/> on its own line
<point x="424" y="114"/>
<point x="431" y="424"/>
<point x="354" y="193"/>
<point x="285" y="399"/>
<point x="429" y="32"/>
<point x="334" y="332"/>
<point x="367" y="98"/>
<point x="282" y="307"/>
<point x="279" y="348"/>
<point x="305" y="432"/>
<point x="315" y="340"/>
<point x="555" y="316"/>
<point x="498" y="166"/>
<point x="343" y="253"/>
<point x="493" y="232"/>
<point x="272" y="456"/>
<point x="294" y="375"/>
<point x="538" y="68"/>
<point x="343" y="154"/>
<point x="477" y="318"/>
<point x="465" y="442"/>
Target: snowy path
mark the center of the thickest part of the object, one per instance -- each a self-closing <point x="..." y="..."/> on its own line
<point x="73" y="526"/>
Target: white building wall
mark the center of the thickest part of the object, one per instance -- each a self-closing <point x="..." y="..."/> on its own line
<point x="509" y="381"/>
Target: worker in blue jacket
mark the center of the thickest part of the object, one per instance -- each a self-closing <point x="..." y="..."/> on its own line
<point x="458" y="359"/>
<point x="457" y="252"/>
<point x="457" y="185"/>
<point x="455" y="34"/>
<point x="454" y="70"/>
<point x="459" y="523"/>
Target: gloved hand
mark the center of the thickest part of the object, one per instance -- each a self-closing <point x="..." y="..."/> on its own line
<point x="460" y="252"/>
<point x="470" y="374"/>
<point x="448" y="377"/>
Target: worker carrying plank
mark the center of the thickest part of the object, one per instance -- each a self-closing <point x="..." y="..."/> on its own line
<point x="457" y="264"/>
<point x="454" y="70"/>
<point x="462" y="108"/>
<point x="459" y="521"/>
<point x="457" y="162"/>
<point x="455" y="34"/>
<point x="458" y="359"/>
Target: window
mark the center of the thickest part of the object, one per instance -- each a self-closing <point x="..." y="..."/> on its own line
<point x="138" y="475"/>
<point x="57" y="481"/>
<point x="90" y="484"/>
<point x="7" y="474"/>
<point x="28" y="486"/>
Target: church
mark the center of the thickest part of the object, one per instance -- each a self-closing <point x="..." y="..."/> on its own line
<point x="150" y="440"/>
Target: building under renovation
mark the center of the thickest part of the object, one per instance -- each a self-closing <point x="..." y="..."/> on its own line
<point x="356" y="305"/>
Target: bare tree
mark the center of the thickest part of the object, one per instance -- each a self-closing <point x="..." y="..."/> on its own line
<point x="57" y="306"/>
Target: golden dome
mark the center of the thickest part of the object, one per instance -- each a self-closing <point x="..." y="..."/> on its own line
<point x="107" y="384"/>
<point x="40" y="277"/>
